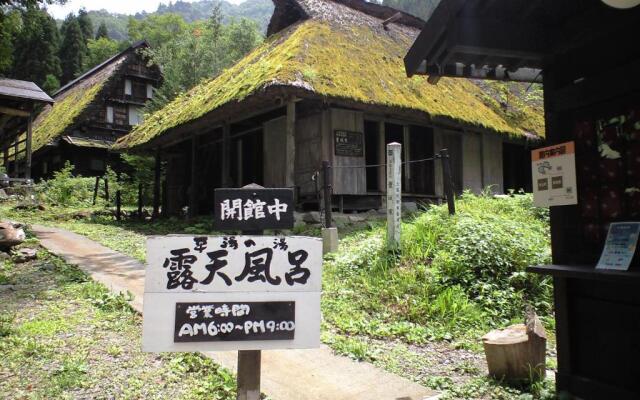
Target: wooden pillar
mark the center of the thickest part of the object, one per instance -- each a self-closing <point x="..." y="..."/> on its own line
<point x="226" y="159"/>
<point x="193" y="192"/>
<point x="239" y="164"/>
<point x="406" y="153"/>
<point x="156" y="185"/>
<point x="290" y="140"/>
<point x="27" y="155"/>
<point x="5" y="160"/>
<point x="16" y="169"/>
<point x="382" y="171"/>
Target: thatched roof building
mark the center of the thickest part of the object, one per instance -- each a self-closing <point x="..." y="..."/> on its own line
<point x="326" y="65"/>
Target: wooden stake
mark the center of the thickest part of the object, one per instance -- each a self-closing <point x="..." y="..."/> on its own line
<point x="249" y="362"/>
<point x="394" y="195"/>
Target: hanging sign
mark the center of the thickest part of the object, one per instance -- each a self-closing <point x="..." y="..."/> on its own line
<point x="205" y="293"/>
<point x="253" y="209"/>
<point x="349" y="144"/>
<point x="620" y="246"/>
<point x="554" y="175"/>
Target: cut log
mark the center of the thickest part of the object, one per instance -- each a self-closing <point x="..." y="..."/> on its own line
<point x="517" y="353"/>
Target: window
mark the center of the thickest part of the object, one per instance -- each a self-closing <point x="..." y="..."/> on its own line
<point x="127" y="87"/>
<point x="109" y="117"/>
<point x="135" y="115"/>
<point x="149" y="91"/>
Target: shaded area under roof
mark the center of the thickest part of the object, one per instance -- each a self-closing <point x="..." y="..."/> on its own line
<point x="25" y="90"/>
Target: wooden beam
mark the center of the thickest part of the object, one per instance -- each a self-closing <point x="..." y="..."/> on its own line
<point x="226" y="159"/>
<point x="156" y="185"/>
<point x="14" y="112"/>
<point x="290" y="140"/>
<point x="28" y="140"/>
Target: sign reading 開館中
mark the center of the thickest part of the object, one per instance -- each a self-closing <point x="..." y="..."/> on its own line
<point x="554" y="175"/>
<point x="205" y="293"/>
<point x="250" y="209"/>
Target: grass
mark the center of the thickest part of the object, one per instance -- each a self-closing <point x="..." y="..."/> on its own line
<point x="65" y="336"/>
<point x="419" y="312"/>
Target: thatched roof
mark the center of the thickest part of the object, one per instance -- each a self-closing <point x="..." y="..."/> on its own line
<point x="333" y="50"/>
<point x="73" y="98"/>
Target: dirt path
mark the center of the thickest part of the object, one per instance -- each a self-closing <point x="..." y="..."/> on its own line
<point x="293" y="374"/>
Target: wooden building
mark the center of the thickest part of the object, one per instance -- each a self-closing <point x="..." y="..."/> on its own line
<point x="92" y="112"/>
<point x="586" y="54"/>
<point x="328" y="83"/>
<point x="19" y="101"/>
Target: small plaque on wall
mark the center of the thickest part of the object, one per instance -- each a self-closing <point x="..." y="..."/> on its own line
<point x="349" y="144"/>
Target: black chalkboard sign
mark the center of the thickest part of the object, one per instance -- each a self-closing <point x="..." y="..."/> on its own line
<point x="220" y="322"/>
<point x="349" y="144"/>
<point x="253" y="208"/>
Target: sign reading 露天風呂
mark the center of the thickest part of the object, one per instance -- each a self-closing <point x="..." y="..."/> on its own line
<point x="206" y="293"/>
<point x="250" y="209"/>
<point x="554" y="175"/>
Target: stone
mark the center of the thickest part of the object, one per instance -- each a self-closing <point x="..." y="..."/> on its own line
<point x="11" y="234"/>
<point x="312" y="217"/>
<point x="24" y="255"/>
<point x="357" y="219"/>
<point x="409" y="207"/>
<point x="4" y="256"/>
<point x="47" y="267"/>
<point x="3" y="195"/>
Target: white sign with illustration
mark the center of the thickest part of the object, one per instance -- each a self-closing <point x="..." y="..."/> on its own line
<point x="554" y="175"/>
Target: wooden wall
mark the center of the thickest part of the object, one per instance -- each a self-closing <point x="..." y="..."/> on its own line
<point x="275" y="162"/>
<point x="350" y="181"/>
<point x="308" y="156"/>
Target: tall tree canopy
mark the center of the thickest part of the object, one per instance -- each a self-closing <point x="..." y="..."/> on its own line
<point x="73" y="49"/>
<point x="102" y="32"/>
<point x="98" y="50"/>
<point x="36" y="46"/>
<point x="157" y="29"/>
<point x="86" y="25"/>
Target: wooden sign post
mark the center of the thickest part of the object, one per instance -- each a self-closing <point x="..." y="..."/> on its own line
<point x="394" y="195"/>
<point x="247" y="292"/>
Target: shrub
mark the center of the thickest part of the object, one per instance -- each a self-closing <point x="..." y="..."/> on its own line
<point x="66" y="190"/>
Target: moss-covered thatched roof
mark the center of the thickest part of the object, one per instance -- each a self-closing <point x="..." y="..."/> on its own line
<point x="340" y="54"/>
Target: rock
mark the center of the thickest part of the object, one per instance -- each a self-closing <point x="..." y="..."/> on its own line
<point x="4" y="256"/>
<point x="82" y="215"/>
<point x="357" y="219"/>
<point x="24" y="255"/>
<point x="7" y="288"/>
<point x="312" y="217"/>
<point x="47" y="267"/>
<point x="3" y="195"/>
<point x="409" y="207"/>
<point x="11" y="234"/>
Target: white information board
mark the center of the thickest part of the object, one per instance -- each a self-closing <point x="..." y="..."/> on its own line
<point x="620" y="246"/>
<point x="554" y="175"/>
<point x="232" y="293"/>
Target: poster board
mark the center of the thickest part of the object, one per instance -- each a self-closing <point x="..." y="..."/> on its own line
<point x="554" y="175"/>
<point x="215" y="293"/>
<point x="620" y="246"/>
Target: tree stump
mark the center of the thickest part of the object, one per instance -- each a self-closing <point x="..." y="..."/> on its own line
<point x="518" y="352"/>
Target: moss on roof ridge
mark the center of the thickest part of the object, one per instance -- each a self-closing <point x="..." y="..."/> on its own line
<point x="355" y="63"/>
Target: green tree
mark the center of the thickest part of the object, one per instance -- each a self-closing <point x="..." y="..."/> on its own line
<point x="98" y="50"/>
<point x="36" y="47"/>
<point x="102" y="32"/>
<point x="72" y="50"/>
<point x="85" y="25"/>
<point x="200" y="53"/>
<point x="29" y="3"/>
<point x="10" y="24"/>
<point x="157" y="29"/>
<point x="50" y="84"/>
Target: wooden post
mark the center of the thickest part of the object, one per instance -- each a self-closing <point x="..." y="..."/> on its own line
<point x="290" y="140"/>
<point x="448" y="182"/>
<point x="193" y="192"/>
<point x="118" y="200"/>
<point x="27" y="169"/>
<point x="226" y="159"/>
<point x="106" y="188"/>
<point x="95" y="190"/>
<point x="394" y="195"/>
<point x="140" y="201"/>
<point x="382" y="180"/>
<point x="406" y="143"/>
<point x="327" y="189"/>
<point x="249" y="374"/>
<point x="156" y="186"/>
